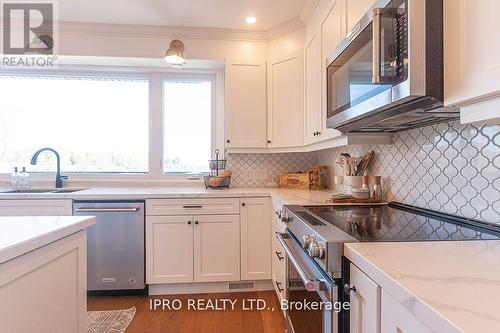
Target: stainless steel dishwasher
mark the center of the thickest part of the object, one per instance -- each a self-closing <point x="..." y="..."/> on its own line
<point x="115" y="244"/>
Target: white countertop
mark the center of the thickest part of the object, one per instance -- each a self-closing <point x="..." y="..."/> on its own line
<point x="20" y="235"/>
<point x="289" y="196"/>
<point x="452" y="286"/>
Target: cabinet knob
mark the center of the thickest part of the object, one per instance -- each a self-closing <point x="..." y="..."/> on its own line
<point x="319" y="133"/>
<point x="189" y="222"/>
<point x="228" y="141"/>
<point x="268" y="141"/>
<point x="195" y="222"/>
<point x="243" y="204"/>
<point x="348" y="289"/>
<point x="315" y="133"/>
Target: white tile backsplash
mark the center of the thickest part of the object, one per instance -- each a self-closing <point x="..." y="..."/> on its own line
<point x="448" y="167"/>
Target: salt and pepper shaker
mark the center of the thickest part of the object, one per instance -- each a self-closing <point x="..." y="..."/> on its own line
<point x="377" y="188"/>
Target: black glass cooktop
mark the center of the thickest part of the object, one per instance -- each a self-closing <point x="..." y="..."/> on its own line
<point x="398" y="222"/>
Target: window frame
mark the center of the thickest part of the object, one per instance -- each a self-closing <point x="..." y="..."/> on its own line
<point x="155" y="77"/>
<point x="213" y="125"/>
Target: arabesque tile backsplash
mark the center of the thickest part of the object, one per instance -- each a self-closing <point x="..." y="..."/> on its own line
<point x="447" y="167"/>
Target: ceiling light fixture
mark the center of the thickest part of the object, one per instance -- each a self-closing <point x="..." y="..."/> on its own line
<point x="251" y="20"/>
<point x="175" y="53"/>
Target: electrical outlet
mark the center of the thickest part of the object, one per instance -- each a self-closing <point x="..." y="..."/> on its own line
<point x="260" y="174"/>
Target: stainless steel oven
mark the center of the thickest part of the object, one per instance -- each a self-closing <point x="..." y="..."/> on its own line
<point x="387" y="74"/>
<point x="308" y="287"/>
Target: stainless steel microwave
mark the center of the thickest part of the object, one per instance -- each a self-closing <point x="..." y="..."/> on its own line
<point x="387" y="74"/>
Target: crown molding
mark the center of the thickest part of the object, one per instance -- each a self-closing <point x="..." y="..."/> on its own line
<point x="285" y="28"/>
<point x="307" y="10"/>
<point x="129" y="30"/>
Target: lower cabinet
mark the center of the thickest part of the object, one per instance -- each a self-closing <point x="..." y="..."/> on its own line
<point x="375" y="310"/>
<point x="190" y="248"/>
<point x="397" y="319"/>
<point x="216" y="248"/>
<point x="255" y="239"/>
<point x="278" y="253"/>
<point x="169" y="249"/>
<point x="365" y="303"/>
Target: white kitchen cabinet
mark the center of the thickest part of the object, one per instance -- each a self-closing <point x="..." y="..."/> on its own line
<point x="472" y="64"/>
<point x="365" y="303"/>
<point x="278" y="253"/>
<point x="216" y="248"/>
<point x="332" y="32"/>
<point x="255" y="238"/>
<point x="397" y="319"/>
<point x="355" y="10"/>
<point x="285" y="116"/>
<point x="169" y="249"/>
<point x="245" y="104"/>
<point x="45" y="290"/>
<point x="29" y="207"/>
<point x="313" y="73"/>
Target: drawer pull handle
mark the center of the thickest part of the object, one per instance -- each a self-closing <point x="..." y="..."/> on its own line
<point x="280" y="257"/>
<point x="278" y="285"/>
<point x="192" y="206"/>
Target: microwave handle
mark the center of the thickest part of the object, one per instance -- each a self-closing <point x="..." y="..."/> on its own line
<point x="377" y="77"/>
<point x="310" y="284"/>
<point x="377" y="45"/>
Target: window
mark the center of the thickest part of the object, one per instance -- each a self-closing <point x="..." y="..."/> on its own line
<point x="187" y="125"/>
<point x="97" y="124"/>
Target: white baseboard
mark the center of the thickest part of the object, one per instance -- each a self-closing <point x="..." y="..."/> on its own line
<point x="207" y="287"/>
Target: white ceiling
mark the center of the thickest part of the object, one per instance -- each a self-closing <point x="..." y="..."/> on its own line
<point x="227" y="14"/>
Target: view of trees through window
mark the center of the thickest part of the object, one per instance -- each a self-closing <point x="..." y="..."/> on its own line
<point x="187" y="125"/>
<point x="96" y="124"/>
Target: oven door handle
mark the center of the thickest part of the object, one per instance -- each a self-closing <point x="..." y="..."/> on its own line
<point x="310" y="284"/>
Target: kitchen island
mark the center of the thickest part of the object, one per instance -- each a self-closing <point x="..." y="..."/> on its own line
<point x="448" y="286"/>
<point x="43" y="274"/>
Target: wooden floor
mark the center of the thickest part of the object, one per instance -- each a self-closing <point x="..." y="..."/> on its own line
<point x="197" y="321"/>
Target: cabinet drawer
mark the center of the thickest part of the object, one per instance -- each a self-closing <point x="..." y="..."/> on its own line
<point x="29" y="207"/>
<point x="192" y="206"/>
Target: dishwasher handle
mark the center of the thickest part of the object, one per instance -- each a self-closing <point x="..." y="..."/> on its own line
<point x="107" y="210"/>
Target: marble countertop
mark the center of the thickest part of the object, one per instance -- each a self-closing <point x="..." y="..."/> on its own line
<point x="22" y="234"/>
<point x="289" y="196"/>
<point x="452" y="286"/>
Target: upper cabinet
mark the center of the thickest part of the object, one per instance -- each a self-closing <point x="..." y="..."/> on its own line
<point x="286" y="101"/>
<point x="313" y="119"/>
<point x="332" y="33"/>
<point x="472" y="64"/>
<point x="245" y="104"/>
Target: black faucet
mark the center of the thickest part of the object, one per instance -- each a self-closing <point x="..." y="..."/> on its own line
<point x="59" y="177"/>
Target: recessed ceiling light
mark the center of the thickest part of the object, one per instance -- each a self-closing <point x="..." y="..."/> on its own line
<point x="251" y="20"/>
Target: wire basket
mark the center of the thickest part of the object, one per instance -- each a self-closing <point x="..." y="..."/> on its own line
<point x="216" y="165"/>
<point x="217" y="182"/>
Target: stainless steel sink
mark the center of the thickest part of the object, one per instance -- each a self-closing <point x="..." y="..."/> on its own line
<point x="44" y="190"/>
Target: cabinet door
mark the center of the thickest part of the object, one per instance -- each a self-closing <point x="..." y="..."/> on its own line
<point x="313" y="70"/>
<point x="397" y="319"/>
<point x="61" y="207"/>
<point x="472" y="64"/>
<point x="255" y="239"/>
<point x="355" y="9"/>
<point x="169" y="249"/>
<point x="216" y="248"/>
<point x="332" y="32"/>
<point x="285" y="119"/>
<point x="245" y="104"/>
<point x="365" y="303"/>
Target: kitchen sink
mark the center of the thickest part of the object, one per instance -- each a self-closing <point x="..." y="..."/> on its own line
<point x="44" y="190"/>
